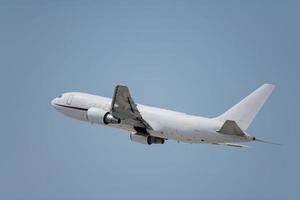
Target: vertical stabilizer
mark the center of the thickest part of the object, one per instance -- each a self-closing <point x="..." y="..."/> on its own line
<point x="244" y="112"/>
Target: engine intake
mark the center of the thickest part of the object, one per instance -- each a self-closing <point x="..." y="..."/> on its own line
<point x="100" y="116"/>
<point x="109" y="119"/>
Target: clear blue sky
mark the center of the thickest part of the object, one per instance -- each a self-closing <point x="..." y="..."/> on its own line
<point x="199" y="57"/>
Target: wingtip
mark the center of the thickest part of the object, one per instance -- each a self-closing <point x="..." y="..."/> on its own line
<point x="121" y="85"/>
<point x="272" y="86"/>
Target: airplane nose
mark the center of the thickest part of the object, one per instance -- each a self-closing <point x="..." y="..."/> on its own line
<point x="54" y="102"/>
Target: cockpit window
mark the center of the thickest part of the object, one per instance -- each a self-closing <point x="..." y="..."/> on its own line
<point x="60" y="96"/>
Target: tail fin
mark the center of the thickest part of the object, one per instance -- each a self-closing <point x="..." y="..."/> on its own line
<point x="244" y="112"/>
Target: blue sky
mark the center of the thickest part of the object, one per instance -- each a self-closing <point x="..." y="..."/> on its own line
<point x="199" y="57"/>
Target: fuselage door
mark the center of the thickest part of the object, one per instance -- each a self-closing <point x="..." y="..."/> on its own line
<point x="69" y="100"/>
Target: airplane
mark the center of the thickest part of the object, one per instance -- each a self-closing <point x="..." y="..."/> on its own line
<point x="151" y="125"/>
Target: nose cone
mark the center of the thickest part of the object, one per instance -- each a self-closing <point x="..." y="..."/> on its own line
<point x="54" y="102"/>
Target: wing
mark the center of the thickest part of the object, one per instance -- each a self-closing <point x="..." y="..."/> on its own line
<point x="232" y="145"/>
<point x="124" y="108"/>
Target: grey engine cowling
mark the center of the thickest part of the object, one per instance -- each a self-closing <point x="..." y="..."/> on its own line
<point x="146" y="139"/>
<point x="100" y="116"/>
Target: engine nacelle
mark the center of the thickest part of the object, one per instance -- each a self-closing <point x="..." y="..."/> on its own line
<point x="100" y="116"/>
<point x="146" y="139"/>
<point x="155" y="140"/>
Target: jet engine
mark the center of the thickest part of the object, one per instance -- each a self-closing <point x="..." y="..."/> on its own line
<point x="100" y="116"/>
<point x="146" y="139"/>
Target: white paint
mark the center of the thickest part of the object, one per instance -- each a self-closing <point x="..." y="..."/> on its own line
<point x="169" y="124"/>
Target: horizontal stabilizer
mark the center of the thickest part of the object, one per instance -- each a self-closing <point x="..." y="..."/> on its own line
<point x="230" y="127"/>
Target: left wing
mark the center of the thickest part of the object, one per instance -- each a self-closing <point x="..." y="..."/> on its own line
<point x="124" y="108"/>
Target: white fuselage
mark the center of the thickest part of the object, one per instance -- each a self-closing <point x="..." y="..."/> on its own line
<point x="165" y="123"/>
